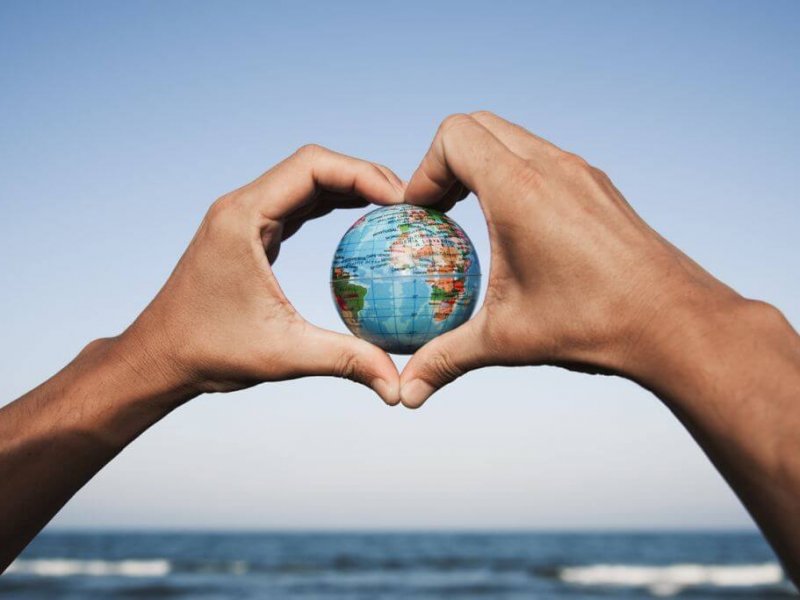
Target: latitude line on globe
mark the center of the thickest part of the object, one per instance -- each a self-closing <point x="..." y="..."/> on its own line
<point x="378" y="255"/>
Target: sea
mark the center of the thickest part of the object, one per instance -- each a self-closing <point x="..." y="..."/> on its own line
<point x="216" y="565"/>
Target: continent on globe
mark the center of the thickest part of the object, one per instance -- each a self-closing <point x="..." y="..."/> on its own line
<point x="349" y="296"/>
<point x="404" y="274"/>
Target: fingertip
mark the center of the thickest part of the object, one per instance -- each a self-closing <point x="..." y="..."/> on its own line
<point x="414" y="393"/>
<point x="424" y="199"/>
<point x="389" y="392"/>
<point x="376" y="369"/>
<point x="424" y="188"/>
<point x="441" y="361"/>
<point x="398" y="192"/>
<point x="398" y="186"/>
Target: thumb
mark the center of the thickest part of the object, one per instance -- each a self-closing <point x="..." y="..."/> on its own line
<point x="441" y="361"/>
<point x="325" y="352"/>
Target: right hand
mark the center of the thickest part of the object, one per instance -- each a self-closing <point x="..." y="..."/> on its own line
<point x="577" y="278"/>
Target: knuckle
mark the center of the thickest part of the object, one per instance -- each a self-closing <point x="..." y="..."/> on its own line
<point x="526" y="177"/>
<point x="309" y="151"/>
<point x="222" y="205"/>
<point x="95" y="345"/>
<point x="382" y="169"/>
<point x="377" y="169"/>
<point x="347" y="367"/>
<point x="766" y="313"/>
<point x="571" y="161"/>
<point x="444" y="368"/>
<point x="483" y="114"/>
<point x="455" y="121"/>
<point x="217" y="206"/>
<point x="225" y="211"/>
<point x="599" y="174"/>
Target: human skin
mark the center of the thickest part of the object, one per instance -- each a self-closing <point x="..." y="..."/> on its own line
<point x="579" y="280"/>
<point x="220" y="323"/>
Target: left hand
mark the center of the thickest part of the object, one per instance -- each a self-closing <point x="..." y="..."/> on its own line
<point x="221" y="321"/>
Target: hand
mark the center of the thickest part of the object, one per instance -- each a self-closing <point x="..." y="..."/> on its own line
<point x="221" y="322"/>
<point x="577" y="278"/>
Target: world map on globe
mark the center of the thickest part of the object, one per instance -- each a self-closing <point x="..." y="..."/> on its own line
<point x="404" y="274"/>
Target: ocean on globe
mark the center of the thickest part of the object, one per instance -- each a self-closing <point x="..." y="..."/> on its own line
<point x="404" y="274"/>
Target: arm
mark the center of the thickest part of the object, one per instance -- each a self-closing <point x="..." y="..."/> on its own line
<point x="731" y="374"/>
<point x="579" y="280"/>
<point x="220" y="323"/>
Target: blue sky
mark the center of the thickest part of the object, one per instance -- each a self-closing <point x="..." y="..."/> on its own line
<point x="121" y="122"/>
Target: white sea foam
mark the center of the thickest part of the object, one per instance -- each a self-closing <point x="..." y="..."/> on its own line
<point x="63" y="567"/>
<point x="672" y="579"/>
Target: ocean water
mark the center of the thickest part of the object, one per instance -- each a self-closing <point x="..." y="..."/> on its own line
<point x="396" y="565"/>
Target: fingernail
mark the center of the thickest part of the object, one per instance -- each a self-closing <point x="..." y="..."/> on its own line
<point x="415" y="392"/>
<point x="389" y="392"/>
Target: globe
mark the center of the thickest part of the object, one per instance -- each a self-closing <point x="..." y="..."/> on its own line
<point x="404" y="274"/>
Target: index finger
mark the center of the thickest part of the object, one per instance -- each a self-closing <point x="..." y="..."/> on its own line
<point x="516" y="138"/>
<point x="295" y="182"/>
<point x="464" y="151"/>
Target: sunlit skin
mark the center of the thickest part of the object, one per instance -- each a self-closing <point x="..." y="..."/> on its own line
<point x="577" y="280"/>
<point x="220" y="323"/>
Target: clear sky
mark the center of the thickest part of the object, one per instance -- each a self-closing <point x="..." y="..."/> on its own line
<point x="121" y="122"/>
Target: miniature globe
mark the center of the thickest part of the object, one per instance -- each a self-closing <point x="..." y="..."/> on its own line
<point x="404" y="274"/>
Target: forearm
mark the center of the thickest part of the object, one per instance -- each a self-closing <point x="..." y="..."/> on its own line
<point x="220" y="323"/>
<point x="730" y="371"/>
<point x="56" y="437"/>
<point x="606" y="293"/>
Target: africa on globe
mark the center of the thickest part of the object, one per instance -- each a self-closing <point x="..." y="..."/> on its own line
<point x="404" y="274"/>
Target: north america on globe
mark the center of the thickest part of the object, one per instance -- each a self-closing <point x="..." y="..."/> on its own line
<point x="403" y="275"/>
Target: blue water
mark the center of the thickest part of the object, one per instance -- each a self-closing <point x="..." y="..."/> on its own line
<point x="395" y="565"/>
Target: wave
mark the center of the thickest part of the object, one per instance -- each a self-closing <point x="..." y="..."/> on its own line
<point x="661" y="580"/>
<point x="61" y="567"/>
<point x="673" y="579"/>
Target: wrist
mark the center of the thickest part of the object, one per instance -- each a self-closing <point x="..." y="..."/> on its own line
<point x="107" y="396"/>
<point x="130" y="383"/>
<point x="705" y="335"/>
<point x="178" y="367"/>
<point x="147" y="367"/>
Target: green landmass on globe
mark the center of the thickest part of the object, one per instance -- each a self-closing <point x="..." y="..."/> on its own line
<point x="404" y="274"/>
